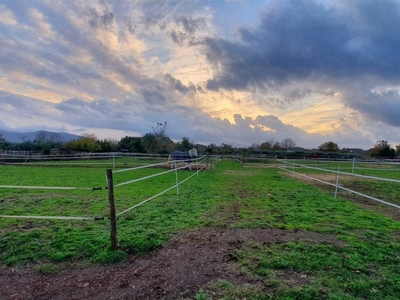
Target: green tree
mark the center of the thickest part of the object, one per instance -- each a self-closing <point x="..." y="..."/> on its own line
<point x="398" y="150"/>
<point x="136" y="145"/>
<point x="329" y="147"/>
<point x="3" y="144"/>
<point x="185" y="144"/>
<point x="227" y="149"/>
<point x="107" y="145"/>
<point x="268" y="144"/>
<point x="150" y="143"/>
<point x="157" y="141"/>
<point x="382" y="149"/>
<point x="123" y="144"/>
<point x="85" y="144"/>
<point x="211" y="149"/>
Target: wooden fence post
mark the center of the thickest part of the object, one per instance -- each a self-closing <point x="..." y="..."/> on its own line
<point x="113" y="218"/>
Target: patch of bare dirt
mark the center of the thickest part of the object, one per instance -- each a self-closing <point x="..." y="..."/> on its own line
<point x="240" y="173"/>
<point x="259" y="165"/>
<point x="178" y="270"/>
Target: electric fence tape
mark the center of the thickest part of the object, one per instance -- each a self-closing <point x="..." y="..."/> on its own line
<point x="343" y="188"/>
<point x="49" y="217"/>
<point x="46" y="187"/>
<point x="344" y="173"/>
<point x="159" y="194"/>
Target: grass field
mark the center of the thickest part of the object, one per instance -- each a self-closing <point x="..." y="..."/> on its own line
<point x="363" y="264"/>
<point x="388" y="191"/>
<point x="105" y="161"/>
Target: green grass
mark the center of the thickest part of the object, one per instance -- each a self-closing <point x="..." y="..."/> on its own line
<point x="380" y="189"/>
<point x="370" y="169"/>
<point x="362" y="264"/>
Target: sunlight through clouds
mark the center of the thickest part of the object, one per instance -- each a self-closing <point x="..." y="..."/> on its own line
<point x="217" y="71"/>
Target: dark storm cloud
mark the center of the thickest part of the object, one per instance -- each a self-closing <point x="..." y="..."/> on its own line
<point x="299" y="39"/>
<point x="99" y="113"/>
<point x="382" y="106"/>
<point x="347" y="46"/>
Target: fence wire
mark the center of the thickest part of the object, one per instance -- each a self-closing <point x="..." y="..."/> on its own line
<point x="339" y="186"/>
<point x="159" y="194"/>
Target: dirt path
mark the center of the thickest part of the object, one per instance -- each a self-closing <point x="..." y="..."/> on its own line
<point x="178" y="270"/>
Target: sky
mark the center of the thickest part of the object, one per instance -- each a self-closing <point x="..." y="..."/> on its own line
<point x="236" y="72"/>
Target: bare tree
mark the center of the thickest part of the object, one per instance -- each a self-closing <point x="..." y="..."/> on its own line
<point x="288" y="143"/>
<point x="54" y="137"/>
<point x="41" y="136"/>
<point x="47" y="136"/>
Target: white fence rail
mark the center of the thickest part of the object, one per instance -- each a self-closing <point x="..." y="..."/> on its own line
<point x="337" y="186"/>
<point x="176" y="185"/>
<point x="196" y="164"/>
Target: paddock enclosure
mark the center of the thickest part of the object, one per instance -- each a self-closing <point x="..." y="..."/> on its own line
<point x="335" y="220"/>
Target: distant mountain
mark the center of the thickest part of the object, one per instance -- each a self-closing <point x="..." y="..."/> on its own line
<point x="19" y="137"/>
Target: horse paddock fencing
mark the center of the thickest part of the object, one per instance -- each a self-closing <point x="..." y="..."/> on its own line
<point x="349" y="181"/>
<point x="114" y="182"/>
<point x="95" y="160"/>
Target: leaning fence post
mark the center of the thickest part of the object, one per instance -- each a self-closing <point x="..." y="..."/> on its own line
<point x="337" y="181"/>
<point x="113" y="218"/>
<point x="208" y="155"/>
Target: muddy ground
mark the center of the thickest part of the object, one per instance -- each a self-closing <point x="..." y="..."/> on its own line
<point x="178" y="270"/>
<point x="190" y="261"/>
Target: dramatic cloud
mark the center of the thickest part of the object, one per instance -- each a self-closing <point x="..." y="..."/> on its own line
<point x="352" y="46"/>
<point x="216" y="71"/>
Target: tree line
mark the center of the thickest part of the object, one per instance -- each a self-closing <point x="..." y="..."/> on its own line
<point x="157" y="142"/>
